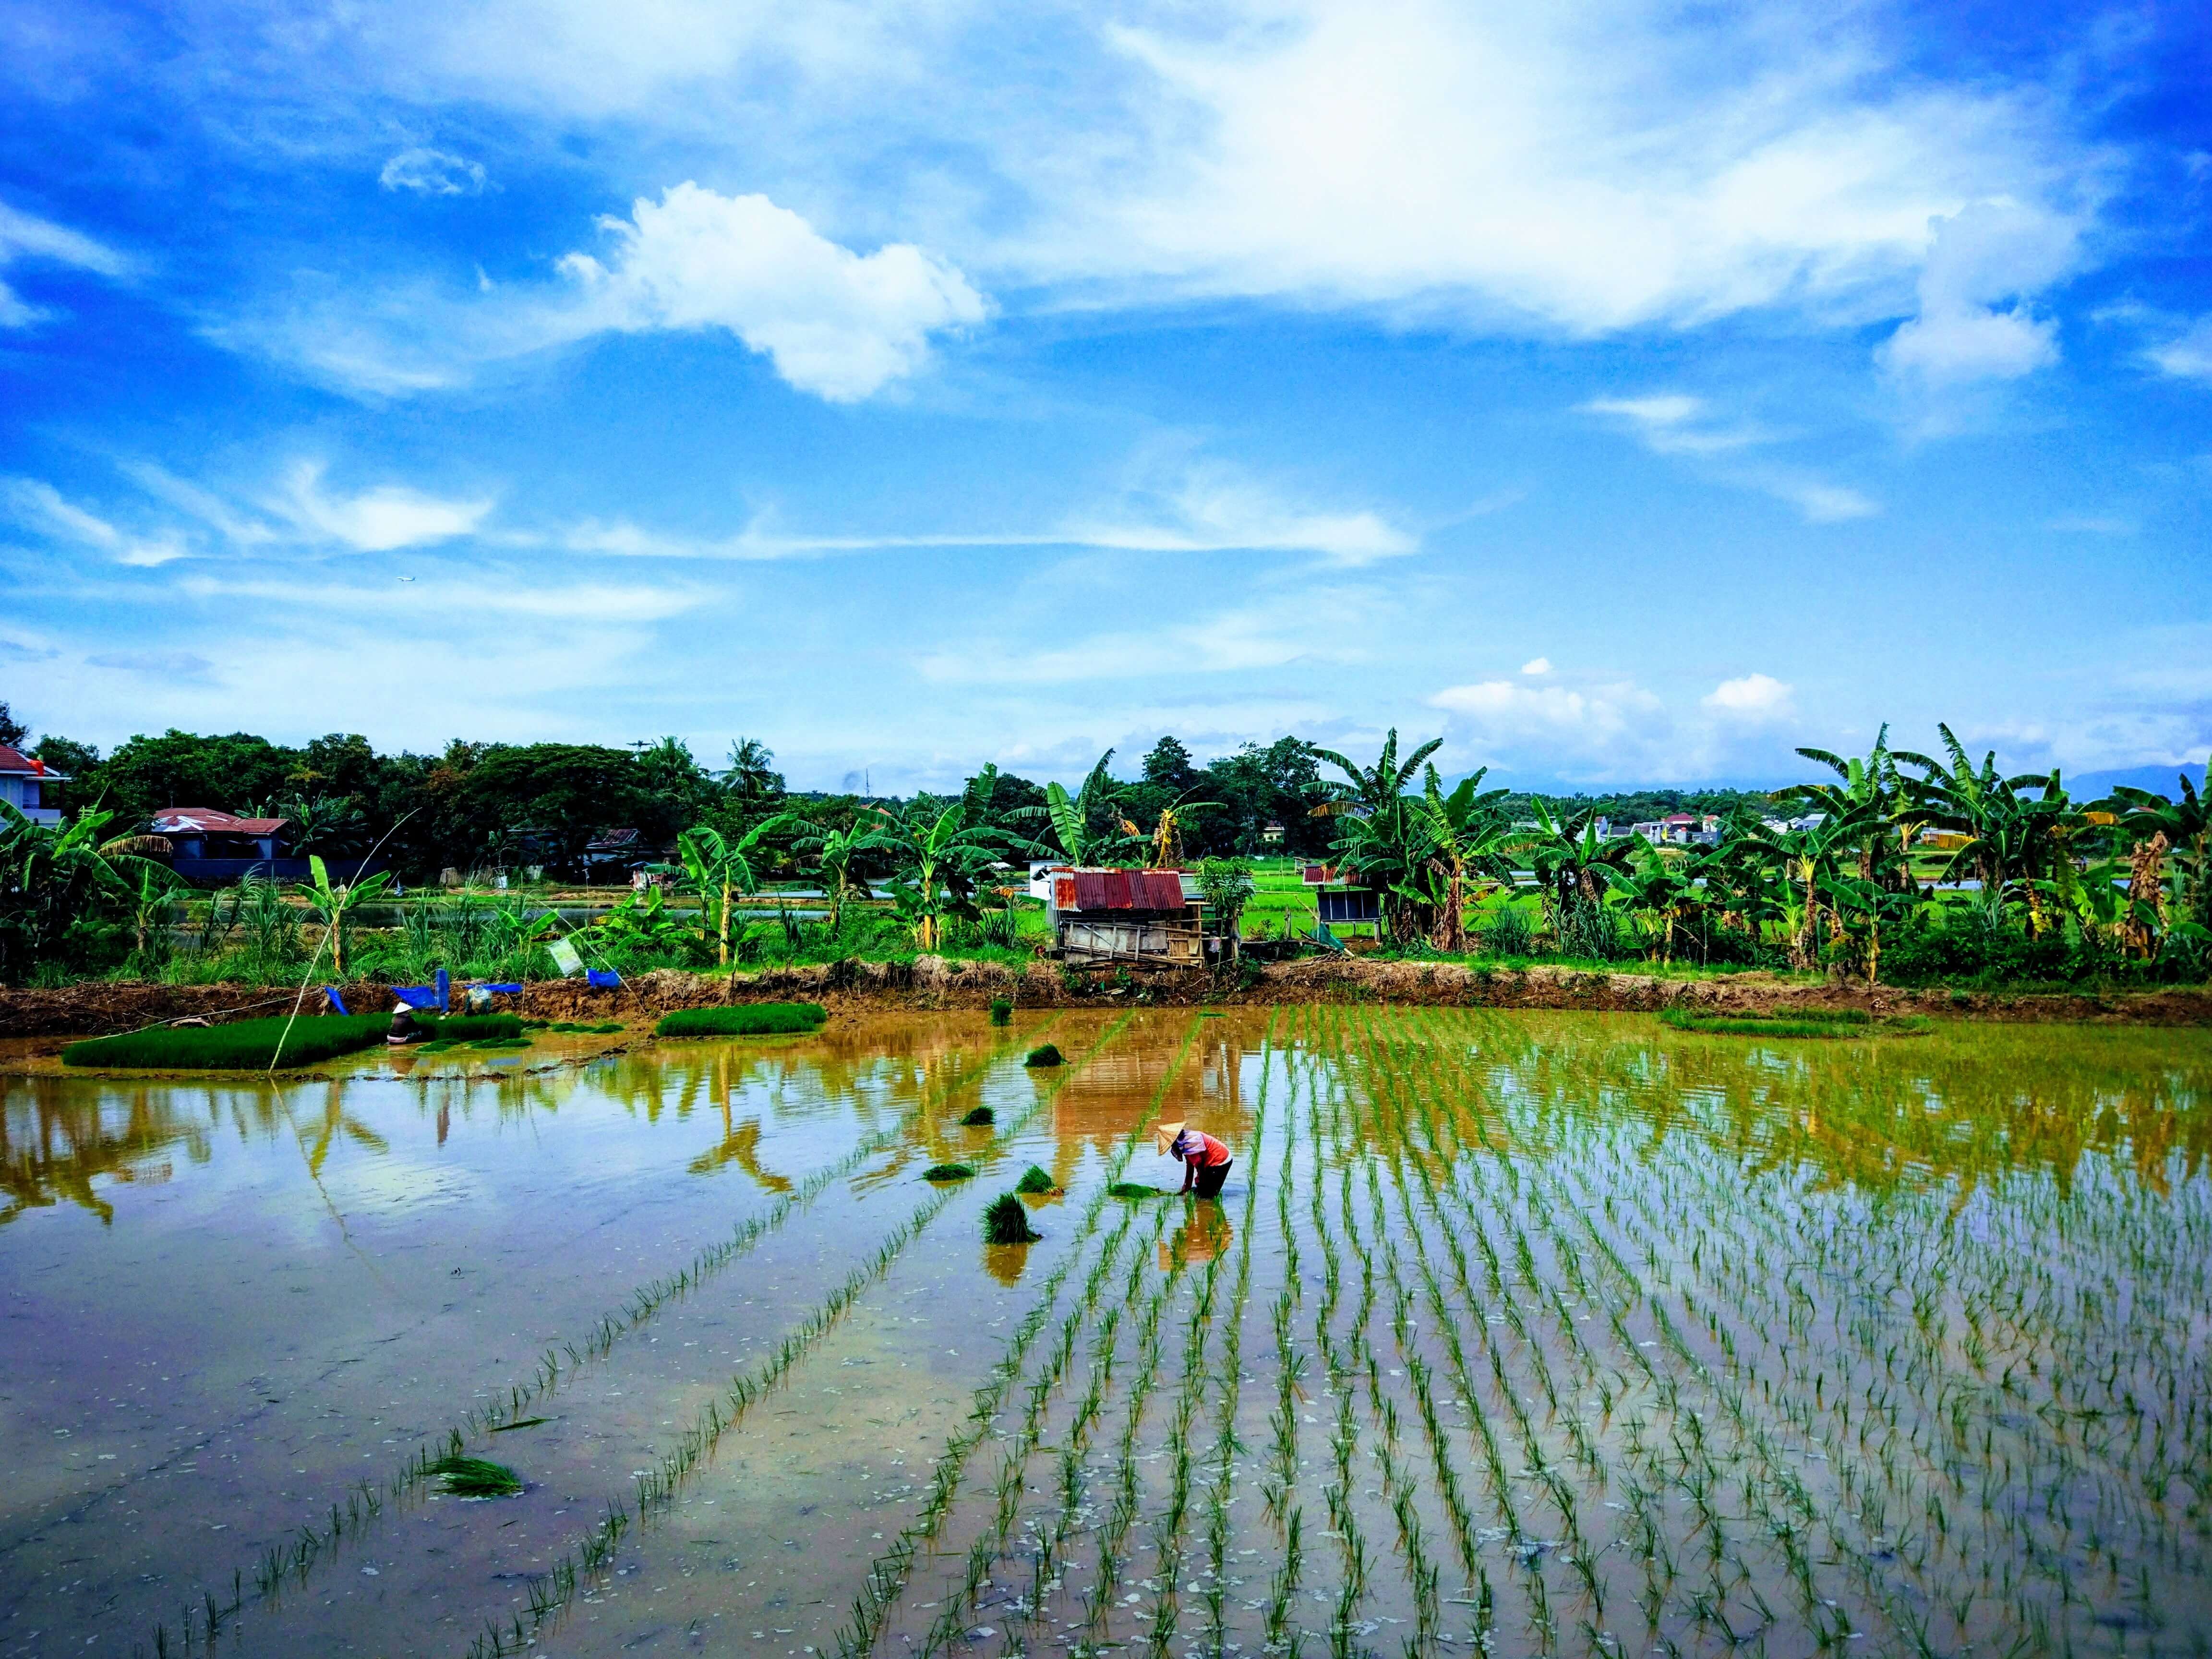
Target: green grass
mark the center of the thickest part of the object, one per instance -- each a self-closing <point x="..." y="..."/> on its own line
<point x="743" y="1019"/>
<point x="1810" y="1022"/>
<point x="1007" y="1222"/>
<point x="949" y="1172"/>
<point x="474" y="1477"/>
<point x="1045" y="1054"/>
<point x="248" y="1045"/>
<point x="1035" y="1179"/>
<point x="982" y="1118"/>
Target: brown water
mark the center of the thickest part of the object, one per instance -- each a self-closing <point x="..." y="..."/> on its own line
<point x="1533" y="1333"/>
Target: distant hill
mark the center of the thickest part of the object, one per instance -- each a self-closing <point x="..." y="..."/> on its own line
<point x="2160" y="779"/>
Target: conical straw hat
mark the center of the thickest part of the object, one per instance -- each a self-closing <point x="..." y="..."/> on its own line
<point x="1163" y="1137"/>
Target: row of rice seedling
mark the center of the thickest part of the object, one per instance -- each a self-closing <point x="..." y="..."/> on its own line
<point x="658" y="1486"/>
<point x="270" y="1044"/>
<point x="889" y="1576"/>
<point x="293" y="1562"/>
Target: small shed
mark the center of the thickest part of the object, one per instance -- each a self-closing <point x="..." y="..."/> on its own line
<point x="1143" y="916"/>
<point x="1340" y="902"/>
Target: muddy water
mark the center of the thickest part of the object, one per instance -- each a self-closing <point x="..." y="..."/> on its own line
<point x="1539" y="1332"/>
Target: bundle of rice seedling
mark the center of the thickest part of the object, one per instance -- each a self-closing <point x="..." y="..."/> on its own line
<point x="744" y="1020"/>
<point x="949" y="1172"/>
<point x="1135" y="1190"/>
<point x="1002" y="1011"/>
<point x="1007" y="1222"/>
<point x="982" y="1118"/>
<point x="1035" y="1179"/>
<point x="1044" y="1054"/>
<point x="474" y="1477"/>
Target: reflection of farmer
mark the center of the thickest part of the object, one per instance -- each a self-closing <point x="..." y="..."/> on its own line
<point x="1205" y="1160"/>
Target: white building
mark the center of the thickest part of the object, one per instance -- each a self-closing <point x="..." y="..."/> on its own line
<point x="23" y="785"/>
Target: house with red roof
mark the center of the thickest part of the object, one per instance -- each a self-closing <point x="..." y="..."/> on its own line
<point x="25" y="781"/>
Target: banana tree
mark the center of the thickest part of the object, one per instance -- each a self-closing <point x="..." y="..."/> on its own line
<point x="1466" y="837"/>
<point x="53" y="875"/>
<point x="334" y="903"/>
<point x="719" y="871"/>
<point x="1087" y="825"/>
<point x="2139" y="816"/>
<point x="835" y="851"/>
<point x="1807" y="857"/>
<point x="1659" y="889"/>
<point x="939" y="856"/>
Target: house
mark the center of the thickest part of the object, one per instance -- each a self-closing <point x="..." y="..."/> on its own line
<point x="1271" y="834"/>
<point x="1338" y="902"/>
<point x="23" y="781"/>
<point x="1151" y="917"/>
<point x="1681" y="830"/>
<point x="622" y="852"/>
<point x="214" y="848"/>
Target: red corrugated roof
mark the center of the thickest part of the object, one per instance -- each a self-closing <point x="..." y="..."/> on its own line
<point x="212" y="820"/>
<point x="1127" y="890"/>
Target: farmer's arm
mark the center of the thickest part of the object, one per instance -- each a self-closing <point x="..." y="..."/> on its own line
<point x="1189" y="1170"/>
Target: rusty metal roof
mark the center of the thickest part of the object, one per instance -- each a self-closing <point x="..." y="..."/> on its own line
<point x="1119" y="889"/>
<point x="209" y="820"/>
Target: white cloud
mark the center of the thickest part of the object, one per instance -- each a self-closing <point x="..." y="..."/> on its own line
<point x="1315" y="626"/>
<point x="1537" y="665"/>
<point x="1209" y="506"/>
<point x="377" y="520"/>
<point x="23" y="236"/>
<point x="433" y="172"/>
<point x="837" y="324"/>
<point x="2188" y="356"/>
<point x="1676" y="423"/>
<point x="1986" y="254"/>
<point x="1752" y="697"/>
<point x="42" y="506"/>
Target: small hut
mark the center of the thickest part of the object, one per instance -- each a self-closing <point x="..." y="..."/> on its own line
<point x="1142" y="917"/>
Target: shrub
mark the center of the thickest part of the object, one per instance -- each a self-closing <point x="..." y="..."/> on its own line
<point x="744" y="1020"/>
<point x="949" y="1172"/>
<point x="247" y="1045"/>
<point x="1007" y="1222"/>
<point x="1044" y="1054"/>
<point x="1002" y="1011"/>
<point x="1035" y="1179"/>
<point x="1509" y="933"/>
<point x="982" y="1118"/>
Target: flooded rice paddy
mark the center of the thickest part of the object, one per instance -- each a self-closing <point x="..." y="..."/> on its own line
<point x="1523" y="1333"/>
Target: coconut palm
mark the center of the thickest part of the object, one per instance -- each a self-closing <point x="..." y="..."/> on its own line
<point x="751" y="772"/>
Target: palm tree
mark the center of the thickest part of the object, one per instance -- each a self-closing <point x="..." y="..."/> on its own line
<point x="718" y="870"/>
<point x="751" y="772"/>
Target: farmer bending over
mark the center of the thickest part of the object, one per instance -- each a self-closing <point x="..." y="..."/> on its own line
<point x="405" y="1027"/>
<point x="1205" y="1160"/>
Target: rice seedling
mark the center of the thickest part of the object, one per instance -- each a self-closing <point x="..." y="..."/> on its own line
<point x="983" y="1117"/>
<point x="253" y="1045"/>
<point x="742" y="1020"/>
<point x="1044" y="1054"/>
<point x="1006" y="1221"/>
<point x="1036" y="1180"/>
<point x="1002" y="1011"/>
<point x="949" y="1172"/>
<point x="1136" y="1189"/>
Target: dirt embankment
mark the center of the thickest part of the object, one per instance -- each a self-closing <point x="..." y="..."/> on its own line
<point x="936" y="982"/>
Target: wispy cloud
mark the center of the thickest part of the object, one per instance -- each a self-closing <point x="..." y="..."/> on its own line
<point x="377" y="520"/>
<point x="426" y="172"/>
<point x="1676" y="423"/>
<point x="2186" y="356"/>
<point x="37" y="505"/>
<point x="24" y="237"/>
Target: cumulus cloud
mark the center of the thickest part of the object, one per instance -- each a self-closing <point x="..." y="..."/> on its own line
<point x="1506" y="717"/>
<point x="1537" y="665"/>
<point x="377" y="520"/>
<point x="433" y="172"/>
<point x="1975" y="322"/>
<point x="835" y="323"/>
<point x="1752" y="697"/>
<point x="1677" y="424"/>
<point x="2188" y="356"/>
<point x="25" y="237"/>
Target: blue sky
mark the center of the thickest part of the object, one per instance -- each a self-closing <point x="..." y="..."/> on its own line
<point x="1626" y="394"/>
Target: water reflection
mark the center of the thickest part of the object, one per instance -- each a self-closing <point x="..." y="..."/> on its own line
<point x="1204" y="1235"/>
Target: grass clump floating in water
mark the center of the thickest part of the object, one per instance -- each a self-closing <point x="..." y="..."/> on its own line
<point x="1007" y="1222"/>
<point x="250" y="1045"/>
<point x="982" y="1118"/>
<point x="1035" y="1179"/>
<point x="742" y="1020"/>
<point x="1806" y="1023"/>
<point x="1134" y="1190"/>
<point x="949" y="1172"/>
<point x="474" y="1477"/>
<point x="1044" y="1054"/>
